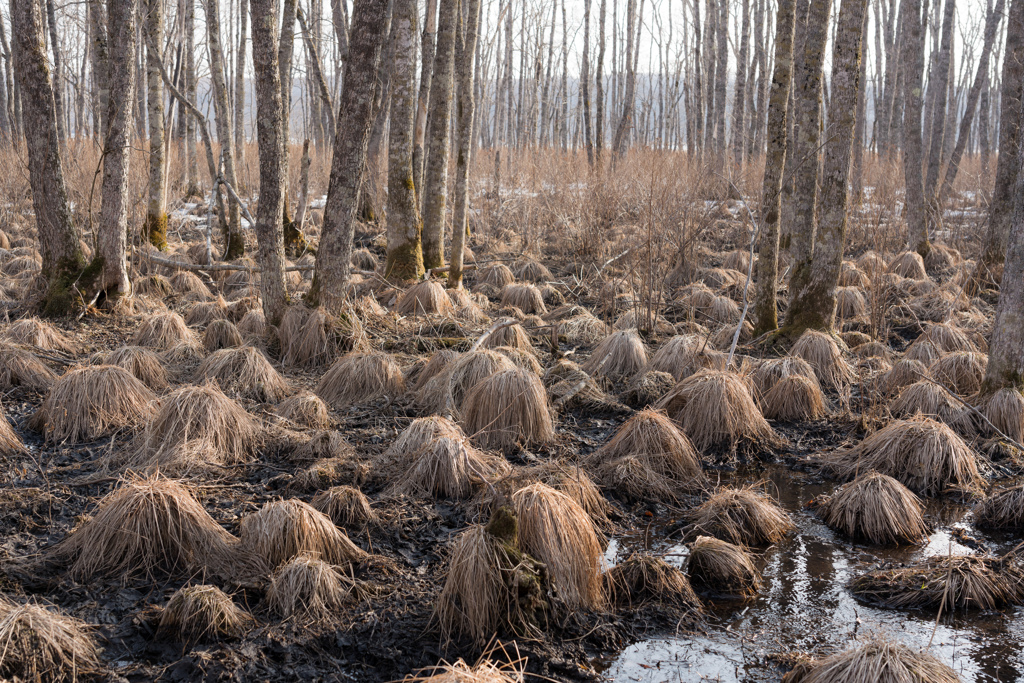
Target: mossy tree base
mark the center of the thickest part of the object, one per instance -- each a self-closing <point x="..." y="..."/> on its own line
<point x="155" y="230"/>
<point x="68" y="291"/>
<point x="295" y="244"/>
<point x="524" y="576"/>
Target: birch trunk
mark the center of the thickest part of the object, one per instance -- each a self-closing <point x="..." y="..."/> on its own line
<point x="155" y="229"/>
<point x="405" y="249"/>
<point x="190" y="91"/>
<point x="765" y="306"/>
<point x="721" y="83"/>
<point x="588" y="141"/>
<point x="599" y="89"/>
<point x="465" y="110"/>
<point x="435" y="181"/>
<point x="917" y="213"/>
<point x="355" y="120"/>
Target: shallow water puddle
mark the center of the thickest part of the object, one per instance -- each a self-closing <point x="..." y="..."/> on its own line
<point x="805" y="606"/>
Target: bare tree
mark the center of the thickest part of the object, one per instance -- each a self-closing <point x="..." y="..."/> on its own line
<point x="426" y="77"/>
<point x="239" y="109"/>
<point x="155" y="229"/>
<point x="625" y="126"/>
<point x="58" y="71"/>
<point x="740" y="98"/>
<point x="940" y="88"/>
<point x="913" y="56"/>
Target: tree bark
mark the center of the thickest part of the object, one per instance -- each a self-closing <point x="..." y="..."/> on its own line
<point x="913" y="56"/>
<point x="239" y="110"/>
<point x="465" y="110"/>
<point x="588" y="140"/>
<point x="599" y="88"/>
<point x="63" y="262"/>
<point x="721" y="83"/>
<point x="740" y="98"/>
<point x="435" y="180"/>
<point x="58" y="73"/>
<point x="857" y="182"/>
<point x="628" y="101"/>
<point x="426" y="77"/>
<point x="405" y="251"/>
<point x="155" y="229"/>
<point x="938" y="122"/>
<point x="765" y="306"/>
<point x="190" y="92"/>
<point x="98" y="36"/>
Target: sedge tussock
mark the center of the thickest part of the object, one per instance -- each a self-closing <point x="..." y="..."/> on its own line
<point x="721" y="567"/>
<point x="621" y="355"/>
<point x="768" y="373"/>
<point x="475" y="600"/>
<point x="738" y="260"/>
<point x="497" y="275"/>
<point x="924" y="351"/>
<point x="508" y="408"/>
<point x="685" y="354"/>
<point x="872" y="263"/>
<point x="569" y="479"/>
<point x="37" y="333"/>
<point x="1004" y="509"/>
<point x="200" y="414"/>
<point x="187" y="282"/>
<point x="794" y="399"/>
<point x="309" y="586"/>
<point x="941" y="257"/>
<point x="245" y="372"/>
<point x="93" y="401"/>
<point x="715" y="410"/>
<point x="903" y="373"/>
<point x="205" y="312"/>
<point x="532" y="271"/>
<point x="909" y="264"/>
<point x="723" y="311"/>
<point x="525" y="297"/>
<point x="647" y="388"/>
<point x="306" y="410"/>
<point x="948" y="337"/>
<point x="221" y="334"/>
<point x="853" y="338"/>
<point x="722" y="337"/>
<point x="314" y="339"/>
<point x="742" y="516"/>
<point x="852" y="276"/>
<point x="823" y="353"/>
<point x="583" y="328"/>
<point x="558" y="532"/>
<point x="364" y="259"/>
<point x="446" y="391"/>
<point x="522" y="358"/>
<point x="140" y="362"/>
<point x="43" y="644"/>
<point x="322" y="445"/>
<point x="575" y="389"/>
<point x="10" y="442"/>
<point x="924" y="455"/>
<point x="642" y="579"/>
<point x="1005" y="410"/>
<point x="433" y="367"/>
<point x="484" y="671"/>
<point x="152" y="526"/>
<point x="22" y="368"/>
<point x="879" y="660"/>
<point x="283" y="529"/>
<point x="164" y="331"/>
<point x="347" y="506"/>
<point x="155" y="286"/>
<point x="876" y="508"/>
<point x="202" y="613"/>
<point x="633" y="319"/>
<point x="425" y="298"/>
<point x="433" y="457"/>
<point x="850" y="303"/>
<point x="253" y="324"/>
<point x="873" y="349"/>
<point x="512" y="336"/>
<point x="360" y="378"/>
<point x="958" y="582"/>
<point x="657" y="453"/>
<point x="961" y="371"/>
<point x="240" y="307"/>
<point x="929" y="399"/>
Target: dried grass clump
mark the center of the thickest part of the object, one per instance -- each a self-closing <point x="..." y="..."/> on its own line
<point x="164" y="331"/>
<point x="1003" y="509"/>
<point x="522" y="358"/>
<point x="873" y="349"/>
<point x="253" y="324"/>
<point x="509" y="336"/>
<point x="92" y="401"/>
<point x="497" y="275"/>
<point x="142" y="363"/>
<point x="433" y="456"/>
<point x="532" y="271"/>
<point x="956" y="582"/>
<point x="876" y="508"/>
<point x="475" y="600"/>
<point x="582" y="328"/>
<point x="155" y="286"/>
<point x="22" y="368"/>
<point x="715" y="410"/>
<point x="926" y="456"/>
<point x="149" y="526"/>
<point x="554" y="529"/>
<point x="347" y="507"/>
<point x="949" y="337"/>
<point x="904" y="372"/>
<point x="872" y="263"/>
<point x="647" y="388"/>
<point x="649" y="458"/>
<point x="570" y="479"/>
<point x="221" y="334"/>
<point x="283" y="529"/>
<point x="575" y="389"/>
<point x="359" y="378"/>
<point x="852" y="276"/>
<point x="850" y="303"/>
<point x="306" y="410"/>
<point x="41" y="644"/>
<point x="445" y="392"/>
<point x="879" y="660"/>
<point x="621" y="355"/>
<point x="634" y="319"/>
<point x="924" y="351"/>
<point x="722" y="567"/>
<point x="961" y="371"/>
<point x="438" y="362"/>
<point x="187" y="282"/>
<point x="825" y="356"/>
<point x="201" y="613"/>
<point x="929" y="399"/>
<point x="205" y="312"/>
<point x="941" y="258"/>
<point x="508" y="408"/>
<point x="768" y="373"/>
<point x="42" y="335"/>
<point x="425" y="298"/>
<point x="525" y="297"/>
<point x="201" y="415"/>
<point x="314" y="339"/>
<point x="364" y="259"/>
<point x="794" y="399"/>
<point x="744" y="516"/>
<point x="245" y="372"/>
<point x="723" y="310"/>
<point x="1005" y="410"/>
<point x="309" y="586"/>
<point x="642" y="579"/>
<point x="909" y="264"/>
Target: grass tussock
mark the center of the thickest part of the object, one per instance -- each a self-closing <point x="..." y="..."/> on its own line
<point x="205" y="312"/>
<point x="187" y="282"/>
<point x="743" y="516"/>
<point x="283" y="529"/>
<point x="929" y="399"/>
<point x="715" y="410"/>
<point x="22" y="368"/>
<point x="222" y="334"/>
<point x="961" y="372"/>
<point x="360" y="378"/>
<point x="347" y="507"/>
<point x="246" y="372"/>
<point x="768" y="373"/>
<point x="948" y="337"/>
<point x="163" y="332"/>
<point x="506" y="409"/>
<point x="904" y="372"/>
<point x="93" y="401"/>
<point x="529" y="270"/>
<point x="309" y="586"/>
<point x="141" y="362"/>
<point x="445" y="392"/>
<point x="525" y="297"/>
<point x="38" y="333"/>
<point x="823" y="353"/>
<point x="794" y="399"/>
<point x="425" y="298"/>
<point x="1004" y="509"/>
<point x="879" y="660"/>
<point x="10" y="442"/>
<point x="647" y="388"/>
<point x="909" y="264"/>
<point x="558" y="532"/>
<point x="508" y="336"/>
<point x="642" y="579"/>
<point x="924" y="455"/>
<point x="583" y="328"/>
<point x="876" y="508"/>
<point x="314" y="339"/>
<point x="497" y="275"/>
<point x="42" y="644"/>
<point x="721" y="567"/>
<point x="437" y="363"/>
<point x="571" y="480"/>
<point x="253" y="325"/>
<point x="306" y="410"/>
<point x="201" y="613"/>
<point x="1005" y="410"/>
<point x="621" y="355"/>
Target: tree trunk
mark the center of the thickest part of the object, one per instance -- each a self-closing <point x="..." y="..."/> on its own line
<point x="858" y="131"/>
<point x="765" y="307"/>
<point x="63" y="262"/>
<point x="629" y="97"/>
<point x="155" y="229"/>
<point x="599" y="88"/>
<point x="98" y="36"/>
<point x="812" y="302"/>
<point x="426" y="77"/>
<point x="435" y="185"/>
<point x="239" y="127"/>
<point x="917" y="212"/>
<point x="272" y="145"/>
<point x="721" y="83"/>
<point x="58" y="73"/>
<point x="405" y="251"/>
<point x="588" y="140"/>
<point x="190" y="91"/>
<point x="938" y="122"/>
<point x="465" y="108"/>
<point x="740" y="98"/>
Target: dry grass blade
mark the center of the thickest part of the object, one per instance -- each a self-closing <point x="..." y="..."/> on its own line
<point x="246" y="372"/>
<point x="283" y="529"/>
<point x="876" y="508"/>
<point x="722" y="567"/>
<point x="744" y="516"/>
<point x="508" y="408"/>
<point x="360" y="378"/>
<point x="41" y="644"/>
<point x="309" y="586"/>
<point x="202" y="613"/>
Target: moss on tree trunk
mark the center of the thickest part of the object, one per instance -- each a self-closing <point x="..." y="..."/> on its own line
<point x="155" y="230"/>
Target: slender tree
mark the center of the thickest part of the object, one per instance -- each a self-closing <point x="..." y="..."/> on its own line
<point x="426" y="77"/>
<point x="917" y="213"/>
<point x="465" y="110"/>
<point x="940" y="88"/>
<point x="155" y="229"/>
